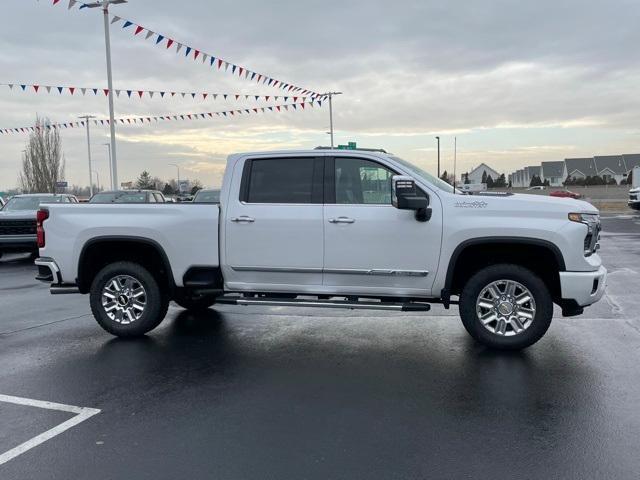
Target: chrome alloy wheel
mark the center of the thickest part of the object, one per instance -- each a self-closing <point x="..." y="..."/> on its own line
<point x="124" y="299"/>
<point x="506" y="308"/>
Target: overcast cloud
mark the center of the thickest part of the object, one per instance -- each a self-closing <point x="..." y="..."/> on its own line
<point x="517" y="82"/>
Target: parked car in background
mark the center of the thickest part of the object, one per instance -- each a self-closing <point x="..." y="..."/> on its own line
<point x="537" y="187"/>
<point x="207" y="196"/>
<point x="129" y="196"/>
<point x="184" y="198"/>
<point x="18" y="221"/>
<point x="565" y="194"/>
<point x="634" y="191"/>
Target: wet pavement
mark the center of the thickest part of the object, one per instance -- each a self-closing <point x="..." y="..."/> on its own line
<point x="256" y="393"/>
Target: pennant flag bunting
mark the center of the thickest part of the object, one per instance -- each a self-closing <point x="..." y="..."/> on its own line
<point x="163" y="39"/>
<point x="185" y="117"/>
<point x="38" y="88"/>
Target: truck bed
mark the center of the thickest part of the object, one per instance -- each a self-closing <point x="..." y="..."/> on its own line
<point x="187" y="233"/>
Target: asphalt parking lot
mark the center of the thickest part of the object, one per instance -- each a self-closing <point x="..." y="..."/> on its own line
<point x="255" y="393"/>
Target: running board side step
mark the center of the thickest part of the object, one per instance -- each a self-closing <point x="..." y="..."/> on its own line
<point x="279" y="302"/>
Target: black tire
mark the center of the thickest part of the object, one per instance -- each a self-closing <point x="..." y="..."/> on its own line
<point x="156" y="301"/>
<point x="194" y="303"/>
<point x="525" y="277"/>
<point x="635" y="206"/>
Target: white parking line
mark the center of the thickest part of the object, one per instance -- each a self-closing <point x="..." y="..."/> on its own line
<point x="82" y="414"/>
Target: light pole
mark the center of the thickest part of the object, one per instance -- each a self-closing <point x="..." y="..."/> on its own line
<point x="179" y="186"/>
<point x="98" y="177"/>
<point x="86" y="119"/>
<point x="113" y="187"/>
<point x="330" y="95"/>
<point x="438" y="138"/>
<point x="104" y="4"/>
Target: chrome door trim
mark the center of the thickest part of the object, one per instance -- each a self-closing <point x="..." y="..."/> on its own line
<point x="347" y="271"/>
<point x="276" y="269"/>
<point x="378" y="272"/>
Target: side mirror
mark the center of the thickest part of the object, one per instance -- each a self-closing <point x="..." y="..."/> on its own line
<point x="406" y="196"/>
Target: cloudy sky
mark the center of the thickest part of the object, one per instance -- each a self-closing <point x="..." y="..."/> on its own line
<point x="516" y="82"/>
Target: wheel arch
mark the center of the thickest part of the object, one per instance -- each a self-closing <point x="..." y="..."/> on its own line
<point x="503" y="249"/>
<point x="100" y="251"/>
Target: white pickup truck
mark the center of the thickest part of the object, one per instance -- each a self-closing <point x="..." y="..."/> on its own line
<point x="331" y="228"/>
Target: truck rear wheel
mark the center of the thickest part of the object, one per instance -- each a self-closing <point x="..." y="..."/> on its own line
<point x="506" y="307"/>
<point x="126" y="300"/>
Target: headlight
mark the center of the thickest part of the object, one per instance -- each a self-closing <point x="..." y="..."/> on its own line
<point x="592" y="221"/>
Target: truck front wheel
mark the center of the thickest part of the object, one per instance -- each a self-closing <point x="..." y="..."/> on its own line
<point x="506" y="307"/>
<point x="126" y="300"/>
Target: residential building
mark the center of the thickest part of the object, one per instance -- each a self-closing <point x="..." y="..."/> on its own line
<point x="631" y="160"/>
<point x="529" y="173"/>
<point x="611" y="166"/>
<point x="475" y="175"/>
<point x="552" y="172"/>
<point x="576" y="168"/>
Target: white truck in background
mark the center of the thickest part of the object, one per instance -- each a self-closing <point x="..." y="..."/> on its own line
<point x="634" y="192"/>
<point x="331" y="228"/>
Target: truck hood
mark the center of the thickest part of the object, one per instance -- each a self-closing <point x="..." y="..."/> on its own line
<point x="18" y="215"/>
<point x="525" y="203"/>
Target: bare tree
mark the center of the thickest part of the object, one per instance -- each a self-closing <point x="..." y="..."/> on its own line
<point x="43" y="164"/>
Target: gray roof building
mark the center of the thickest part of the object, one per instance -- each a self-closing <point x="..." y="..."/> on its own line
<point x="614" y="163"/>
<point x="553" y="169"/>
<point x="631" y="160"/>
<point x="532" y="171"/>
<point x="585" y="166"/>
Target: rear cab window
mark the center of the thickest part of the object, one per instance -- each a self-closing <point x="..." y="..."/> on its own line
<point x="288" y="180"/>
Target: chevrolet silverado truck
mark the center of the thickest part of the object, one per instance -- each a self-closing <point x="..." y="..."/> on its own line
<point x="331" y="228"/>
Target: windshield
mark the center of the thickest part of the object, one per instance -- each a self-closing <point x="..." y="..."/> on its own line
<point x="207" y="196"/>
<point x="119" y="197"/>
<point x="29" y="203"/>
<point x="435" y="181"/>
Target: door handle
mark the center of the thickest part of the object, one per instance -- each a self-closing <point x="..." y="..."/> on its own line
<point x="243" y="219"/>
<point x="342" y="220"/>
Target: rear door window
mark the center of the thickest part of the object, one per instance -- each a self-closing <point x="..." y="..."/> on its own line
<point x="283" y="180"/>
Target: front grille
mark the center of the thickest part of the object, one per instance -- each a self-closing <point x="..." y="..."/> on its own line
<point x="17" y="227"/>
<point x="591" y="244"/>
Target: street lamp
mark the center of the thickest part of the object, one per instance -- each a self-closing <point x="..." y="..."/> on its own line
<point x="104" y="4"/>
<point x="98" y="177"/>
<point x="179" y="185"/>
<point x="438" y="138"/>
<point x="108" y="145"/>
<point x="86" y="119"/>
<point x="330" y="95"/>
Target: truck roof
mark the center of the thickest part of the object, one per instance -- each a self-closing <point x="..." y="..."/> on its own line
<point x="313" y="151"/>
